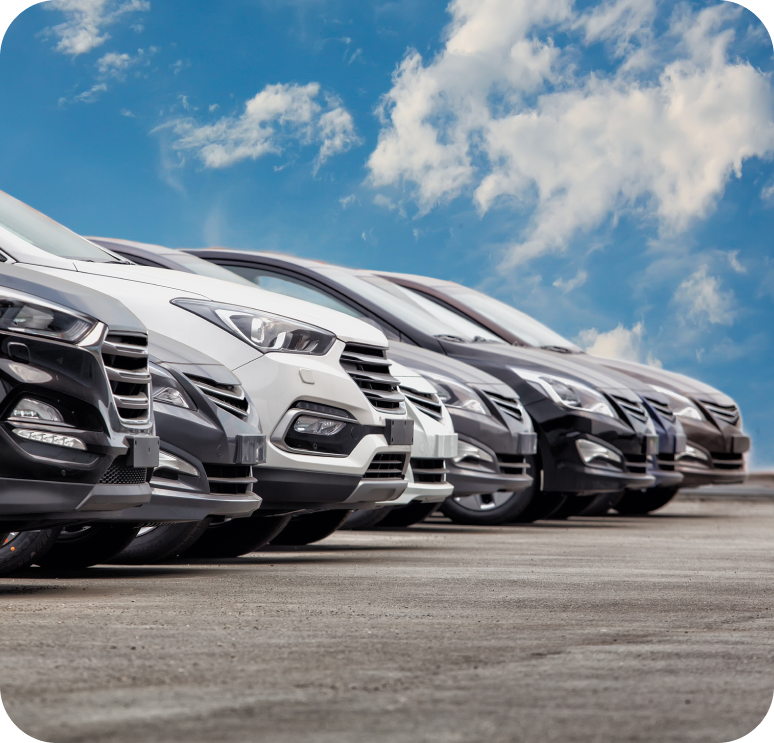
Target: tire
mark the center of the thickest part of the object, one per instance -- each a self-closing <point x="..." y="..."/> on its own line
<point x="365" y="519"/>
<point x="21" y="549"/>
<point x="236" y="537"/>
<point x="84" y="546"/>
<point x="540" y="507"/>
<point x="404" y="516"/>
<point x="603" y="503"/>
<point x="310" y="527"/>
<point x="572" y="506"/>
<point x="488" y="509"/>
<point x="639" y="502"/>
<point x="155" y="544"/>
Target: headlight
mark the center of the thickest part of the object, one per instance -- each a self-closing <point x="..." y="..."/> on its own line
<point x="262" y="330"/>
<point x="568" y="392"/>
<point x="681" y="406"/>
<point x="456" y="395"/>
<point x="166" y="388"/>
<point x="30" y="315"/>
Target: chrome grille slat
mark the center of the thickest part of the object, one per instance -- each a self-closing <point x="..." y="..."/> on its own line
<point x="386" y="466"/>
<point x="726" y="413"/>
<point x="125" y="358"/>
<point x="428" y="470"/>
<point x="635" y="409"/>
<point x="230" y="398"/>
<point x="507" y="405"/>
<point x="369" y="369"/>
<point x="663" y="409"/>
<point x="430" y="404"/>
<point x="512" y="464"/>
<point x="232" y="479"/>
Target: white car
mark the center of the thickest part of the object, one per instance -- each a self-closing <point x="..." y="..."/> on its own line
<point x="339" y="434"/>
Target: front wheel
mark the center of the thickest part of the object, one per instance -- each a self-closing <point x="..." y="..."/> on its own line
<point x="236" y="537"/>
<point x="19" y="549"/>
<point x="310" y="527"/>
<point x="158" y="543"/>
<point x="489" y="509"/>
<point x="639" y="502"/>
<point x="84" y="546"/>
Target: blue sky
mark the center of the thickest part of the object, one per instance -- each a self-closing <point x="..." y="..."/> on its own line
<point x="604" y="166"/>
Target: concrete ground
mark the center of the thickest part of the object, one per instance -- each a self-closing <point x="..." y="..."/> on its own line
<point x="606" y="629"/>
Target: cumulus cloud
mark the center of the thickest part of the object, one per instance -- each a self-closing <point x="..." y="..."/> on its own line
<point x="505" y="117"/>
<point x="701" y="301"/>
<point x="86" y="20"/>
<point x="567" y="285"/>
<point x="618" y="343"/>
<point x="276" y="116"/>
<point x="87" y="96"/>
<point x="117" y="65"/>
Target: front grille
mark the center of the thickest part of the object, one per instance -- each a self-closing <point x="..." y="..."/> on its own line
<point x="508" y="405"/>
<point x="369" y="368"/>
<point x="230" y="397"/>
<point x="634" y="409"/>
<point x="386" y="466"/>
<point x="119" y="474"/>
<point x="723" y="461"/>
<point x="512" y="464"/>
<point x="725" y="413"/>
<point x="666" y="462"/>
<point x="125" y="357"/>
<point x="662" y="408"/>
<point x="428" y="470"/>
<point x="229" y="479"/>
<point x="426" y="402"/>
<point x="637" y="463"/>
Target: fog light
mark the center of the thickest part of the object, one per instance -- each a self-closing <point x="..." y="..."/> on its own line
<point x="693" y="453"/>
<point x="35" y="410"/>
<point x="169" y="461"/>
<point x="170" y="396"/>
<point x="590" y="450"/>
<point x="317" y="426"/>
<point x="468" y="451"/>
<point x="69" y="442"/>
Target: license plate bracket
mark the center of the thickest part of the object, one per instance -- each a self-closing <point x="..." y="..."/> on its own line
<point x="399" y="431"/>
<point x="143" y="451"/>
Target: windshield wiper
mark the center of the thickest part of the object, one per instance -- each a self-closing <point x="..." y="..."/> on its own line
<point x="558" y="349"/>
<point x="455" y="338"/>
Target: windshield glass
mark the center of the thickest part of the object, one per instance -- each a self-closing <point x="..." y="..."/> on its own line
<point x="46" y="234"/>
<point x="205" y="268"/>
<point x="414" y="310"/>
<point x="527" y="329"/>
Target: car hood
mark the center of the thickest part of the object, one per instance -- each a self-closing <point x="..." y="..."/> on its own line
<point x="536" y="360"/>
<point x="70" y="294"/>
<point x="653" y="375"/>
<point x="423" y="360"/>
<point x="346" y="328"/>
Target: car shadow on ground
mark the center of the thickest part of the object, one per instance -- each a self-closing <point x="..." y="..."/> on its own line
<point x="111" y="572"/>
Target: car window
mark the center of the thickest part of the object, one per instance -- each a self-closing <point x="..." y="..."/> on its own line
<point x="291" y="287"/>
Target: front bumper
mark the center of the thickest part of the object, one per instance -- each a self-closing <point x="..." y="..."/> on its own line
<point x="422" y="492"/>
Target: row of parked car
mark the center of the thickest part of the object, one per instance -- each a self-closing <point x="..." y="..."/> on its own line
<point x="159" y="403"/>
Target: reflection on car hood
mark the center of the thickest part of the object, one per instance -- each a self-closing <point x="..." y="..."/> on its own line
<point x="346" y="328"/>
<point x="654" y="375"/>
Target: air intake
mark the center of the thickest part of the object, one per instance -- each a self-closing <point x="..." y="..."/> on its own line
<point x="229" y="397"/>
<point x="229" y="479"/>
<point x="725" y="413"/>
<point x="508" y="405"/>
<point x="370" y="370"/>
<point x="512" y="464"/>
<point x="125" y="357"/>
<point x="633" y="409"/>
<point x="428" y="470"/>
<point x="386" y="466"/>
<point x="430" y="404"/>
<point x="119" y="474"/>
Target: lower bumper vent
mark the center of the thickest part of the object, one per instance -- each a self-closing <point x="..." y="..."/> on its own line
<point x="386" y="466"/>
<point x="229" y="479"/>
<point x="637" y="463"/>
<point x="512" y="464"/>
<point x="119" y="474"/>
<point x="428" y="470"/>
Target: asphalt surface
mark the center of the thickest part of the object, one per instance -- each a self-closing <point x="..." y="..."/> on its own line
<point x="606" y="629"/>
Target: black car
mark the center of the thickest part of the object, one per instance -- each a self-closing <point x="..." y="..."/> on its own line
<point x="594" y="433"/>
<point x="711" y="422"/>
<point x="77" y="439"/>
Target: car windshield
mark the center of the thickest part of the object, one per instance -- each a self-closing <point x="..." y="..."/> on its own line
<point x="204" y="268"/>
<point x="413" y="309"/>
<point x="46" y="234"/>
<point x="527" y="329"/>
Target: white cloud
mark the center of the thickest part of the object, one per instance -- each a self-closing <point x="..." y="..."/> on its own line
<point x="116" y="65"/>
<point x="618" y="343"/>
<point x="567" y="285"/>
<point x="347" y="201"/>
<point x="86" y="20"/>
<point x="702" y="302"/>
<point x="733" y="261"/>
<point x="277" y="115"/>
<point x="503" y="116"/>
<point x="88" y="96"/>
